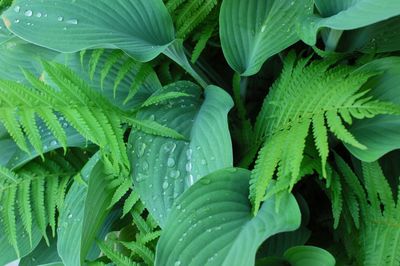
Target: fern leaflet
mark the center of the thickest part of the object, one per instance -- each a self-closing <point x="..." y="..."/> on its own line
<point x="318" y="95"/>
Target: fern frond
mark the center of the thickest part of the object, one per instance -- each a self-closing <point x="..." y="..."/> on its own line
<point x="8" y="215"/>
<point x="141" y="250"/>
<point x="308" y="94"/>
<point x="110" y="61"/>
<point x="38" y="205"/>
<point x="153" y="128"/>
<point x="121" y="191"/>
<point x="24" y="206"/>
<point x="33" y="205"/>
<point x="201" y="43"/>
<point x="378" y="228"/>
<point x="337" y="199"/>
<point x="173" y="4"/>
<point x="144" y="71"/>
<point x="192" y="14"/>
<point x="116" y="257"/>
<point x="130" y="202"/>
<point x="159" y="98"/>
<point x="94" y="60"/>
<point x="144" y="239"/>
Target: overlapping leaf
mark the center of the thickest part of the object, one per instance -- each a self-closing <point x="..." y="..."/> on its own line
<point x="143" y="28"/>
<point x="252" y="31"/>
<point x="212" y="224"/>
<point x="163" y="168"/>
<point x="346" y="15"/>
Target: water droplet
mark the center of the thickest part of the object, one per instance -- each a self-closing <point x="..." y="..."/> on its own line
<point x="178" y="207"/>
<point x="171" y="162"/>
<point x="60" y="18"/>
<point x="16" y="21"/>
<point x="174" y="173"/>
<point x="72" y="21"/>
<point x="145" y="166"/>
<point x="38" y="14"/>
<point x="17" y="9"/>
<point x="28" y="13"/>
<point x="152" y="117"/>
<point x="165" y="185"/>
<point x="69" y="216"/>
<point x="53" y="143"/>
<point x="189" y="166"/>
<point x="177" y="263"/>
<point x="209" y="230"/>
<point x="189" y="153"/>
<point x="141" y="150"/>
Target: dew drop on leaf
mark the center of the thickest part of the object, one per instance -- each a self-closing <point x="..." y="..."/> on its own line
<point x="171" y="162"/>
<point x="72" y="21"/>
<point x="165" y="185"/>
<point x="28" y="13"/>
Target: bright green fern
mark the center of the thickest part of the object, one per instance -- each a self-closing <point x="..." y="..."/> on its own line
<point x="34" y="194"/>
<point x="85" y="109"/>
<point x="374" y="214"/>
<point x="318" y="95"/>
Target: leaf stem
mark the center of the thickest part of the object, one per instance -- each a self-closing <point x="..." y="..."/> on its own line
<point x="332" y="40"/>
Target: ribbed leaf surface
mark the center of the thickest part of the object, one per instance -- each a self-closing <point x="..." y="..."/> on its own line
<point x="143" y="28"/>
<point x="162" y="168"/>
<point x="252" y="31"/>
<point x="211" y="223"/>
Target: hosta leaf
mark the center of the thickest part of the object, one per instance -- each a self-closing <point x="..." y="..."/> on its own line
<point x="380" y="134"/>
<point x="346" y="15"/>
<point x="252" y="31"/>
<point x="7" y="251"/>
<point x="16" y="54"/>
<point x="42" y="254"/>
<point x="83" y="213"/>
<point x="143" y="28"/>
<point x="309" y="256"/>
<point x="212" y="223"/>
<point x="380" y="37"/>
<point x="162" y="168"/>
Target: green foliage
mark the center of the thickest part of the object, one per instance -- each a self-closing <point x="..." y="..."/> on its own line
<point x="121" y="127"/>
<point x="374" y="212"/>
<point x="23" y="195"/>
<point x="318" y="95"/>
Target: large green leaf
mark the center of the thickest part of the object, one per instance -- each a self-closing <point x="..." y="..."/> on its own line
<point x="16" y="54"/>
<point x="380" y="37"/>
<point x="380" y="134"/>
<point x="143" y="28"/>
<point x="42" y="254"/>
<point x="212" y="223"/>
<point x="83" y="213"/>
<point x="309" y="256"/>
<point x="252" y="31"/>
<point x="163" y="168"/>
<point x="346" y="15"/>
<point x="7" y="251"/>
